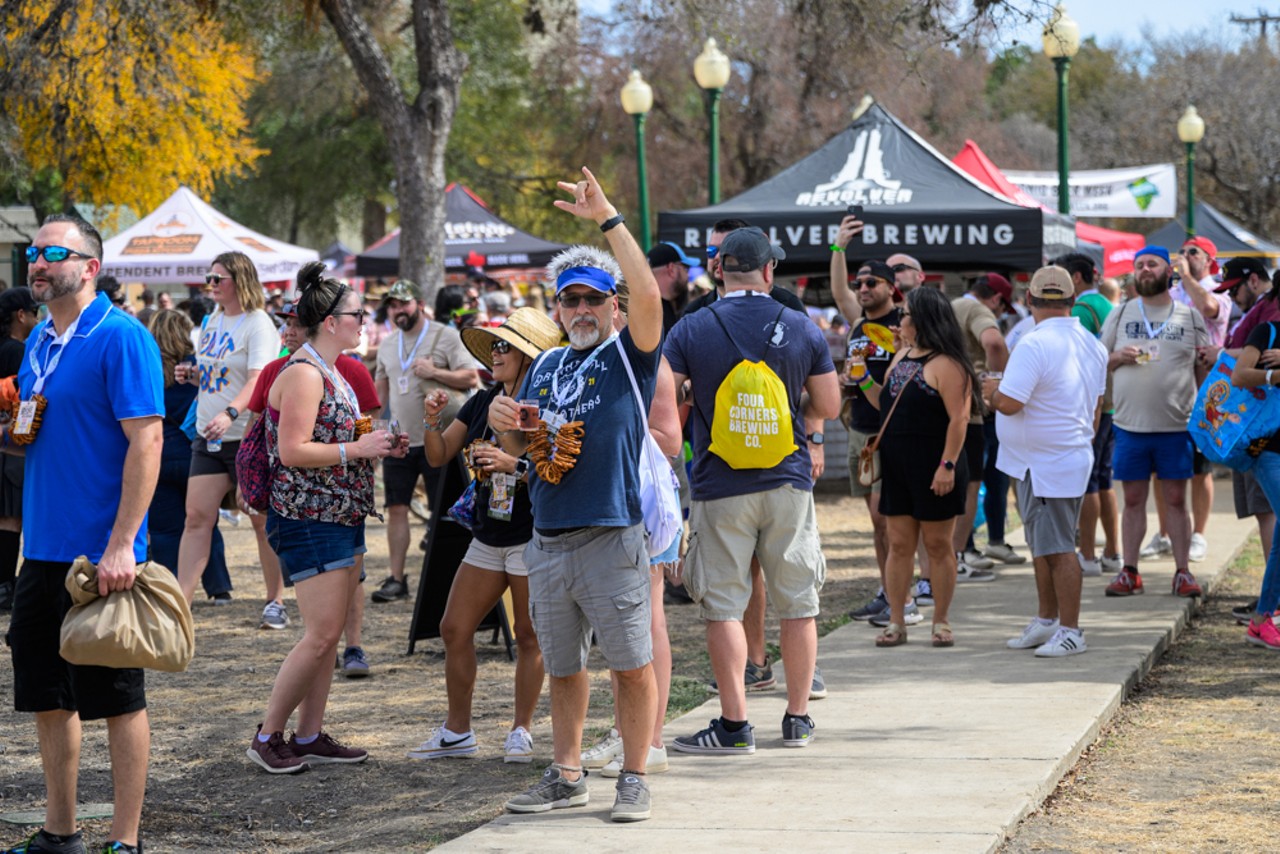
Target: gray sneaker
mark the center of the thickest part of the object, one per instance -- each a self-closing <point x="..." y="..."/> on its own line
<point x="875" y="606"/>
<point x="555" y="792"/>
<point x="911" y="616"/>
<point x="274" y="616"/>
<point x="632" y="800"/>
<point x="818" y="689"/>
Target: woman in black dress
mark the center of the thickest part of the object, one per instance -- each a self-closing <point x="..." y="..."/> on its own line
<point x="924" y="475"/>
<point x="18" y="312"/>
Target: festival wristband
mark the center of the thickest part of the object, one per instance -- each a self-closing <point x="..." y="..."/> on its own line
<point x="867" y="384"/>
<point x="436" y="426"/>
<point x="835" y="248"/>
<point x="342" y="454"/>
<point x="1269" y="370"/>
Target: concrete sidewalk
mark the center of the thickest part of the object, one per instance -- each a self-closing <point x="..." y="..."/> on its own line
<point x="916" y="749"/>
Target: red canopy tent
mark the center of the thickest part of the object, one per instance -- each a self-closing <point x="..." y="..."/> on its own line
<point x="1118" y="246"/>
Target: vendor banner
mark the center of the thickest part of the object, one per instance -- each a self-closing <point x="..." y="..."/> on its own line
<point x="1135" y="191"/>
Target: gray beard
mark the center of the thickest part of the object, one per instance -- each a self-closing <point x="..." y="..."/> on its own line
<point x="581" y="339"/>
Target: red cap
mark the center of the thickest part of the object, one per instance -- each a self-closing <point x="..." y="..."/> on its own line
<point x="1001" y="285"/>
<point x="1206" y="246"/>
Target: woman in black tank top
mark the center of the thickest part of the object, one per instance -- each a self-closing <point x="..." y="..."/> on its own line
<point x="931" y="389"/>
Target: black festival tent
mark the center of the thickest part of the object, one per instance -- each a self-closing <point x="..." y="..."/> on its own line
<point x="916" y="201"/>
<point x="474" y="237"/>
<point x="1232" y="239"/>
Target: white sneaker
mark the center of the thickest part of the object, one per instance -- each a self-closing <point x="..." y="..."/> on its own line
<point x="598" y="755"/>
<point x="1003" y="552"/>
<point x="1158" y="545"/>
<point x="656" y="764"/>
<point x="1089" y="568"/>
<point x="444" y="742"/>
<point x="519" y="746"/>
<point x="966" y="572"/>
<point x="977" y="560"/>
<point x="1063" y="643"/>
<point x="1199" y="548"/>
<point x="1035" y="634"/>
<point x="1112" y="564"/>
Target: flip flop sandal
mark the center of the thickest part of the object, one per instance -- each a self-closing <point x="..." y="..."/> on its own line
<point x="893" y="635"/>
<point x="942" y="635"/>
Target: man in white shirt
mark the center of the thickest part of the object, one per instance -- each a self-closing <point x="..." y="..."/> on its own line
<point x="1048" y="404"/>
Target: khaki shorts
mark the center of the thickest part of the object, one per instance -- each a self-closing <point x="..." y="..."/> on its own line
<point x="857" y="441"/>
<point x="508" y="559"/>
<point x="780" y="527"/>
<point x="591" y="579"/>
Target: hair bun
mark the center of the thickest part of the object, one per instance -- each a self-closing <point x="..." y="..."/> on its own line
<point x="311" y="275"/>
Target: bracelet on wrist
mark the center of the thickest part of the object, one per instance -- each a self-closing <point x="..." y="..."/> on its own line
<point x="835" y="248"/>
<point x="436" y="426"/>
<point x="867" y="383"/>
<point x="342" y="454"/>
<point x="612" y="222"/>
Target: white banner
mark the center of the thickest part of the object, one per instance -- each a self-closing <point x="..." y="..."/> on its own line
<point x="1138" y="191"/>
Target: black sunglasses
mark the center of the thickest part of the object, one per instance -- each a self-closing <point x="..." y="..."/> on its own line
<point x="898" y="268"/>
<point x="500" y="347"/>
<point x="1192" y="250"/>
<point x="572" y="300"/>
<point x="52" y="254"/>
<point x="214" y="278"/>
<point x="867" y="282"/>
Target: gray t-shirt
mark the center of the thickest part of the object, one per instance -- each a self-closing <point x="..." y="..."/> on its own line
<point x="405" y="391"/>
<point x="1155" y="395"/>
<point x="229" y="348"/>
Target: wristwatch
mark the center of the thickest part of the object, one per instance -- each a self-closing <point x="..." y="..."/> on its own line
<point x="232" y="412"/>
<point x="522" y="468"/>
<point x="817" y="438"/>
<point x="948" y="465"/>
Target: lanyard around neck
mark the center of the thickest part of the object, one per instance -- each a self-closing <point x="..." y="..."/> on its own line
<point x="340" y="384"/>
<point x="405" y="361"/>
<point x="560" y="399"/>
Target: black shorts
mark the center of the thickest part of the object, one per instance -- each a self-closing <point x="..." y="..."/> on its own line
<point x="42" y="680"/>
<point x="204" y="461"/>
<point x="1200" y="463"/>
<point x="975" y="449"/>
<point x="400" y="476"/>
<point x="1104" y="447"/>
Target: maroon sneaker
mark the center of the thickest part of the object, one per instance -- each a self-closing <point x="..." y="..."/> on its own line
<point x="1125" y="584"/>
<point x="1185" y="584"/>
<point x="326" y="750"/>
<point x="274" y="755"/>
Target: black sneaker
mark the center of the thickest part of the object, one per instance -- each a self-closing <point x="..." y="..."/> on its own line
<point x="716" y="739"/>
<point x="1242" y="613"/>
<point x="391" y="590"/>
<point x="120" y="848"/>
<point x="42" y="843"/>
<point x="223" y="598"/>
<point x="6" y="596"/>
<point x="755" y="677"/>
<point x="797" y="730"/>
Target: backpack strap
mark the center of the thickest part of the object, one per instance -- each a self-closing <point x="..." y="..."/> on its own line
<point x="635" y="387"/>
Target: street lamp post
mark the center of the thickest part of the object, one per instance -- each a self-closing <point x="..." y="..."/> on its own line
<point x="1191" y="131"/>
<point x="1061" y="41"/>
<point x="711" y="70"/>
<point x="637" y="100"/>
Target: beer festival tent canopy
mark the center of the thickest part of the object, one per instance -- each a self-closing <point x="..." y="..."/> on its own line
<point x="915" y="201"/>
<point x="176" y="243"/>
<point x="1232" y="239"/>
<point x="1117" y="247"/>
<point x="474" y="237"/>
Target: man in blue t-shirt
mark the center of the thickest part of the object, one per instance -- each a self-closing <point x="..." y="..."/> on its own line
<point x="741" y="508"/>
<point x="588" y="563"/>
<point x="92" y="377"/>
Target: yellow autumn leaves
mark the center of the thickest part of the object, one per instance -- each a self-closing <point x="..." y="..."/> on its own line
<point x="126" y="106"/>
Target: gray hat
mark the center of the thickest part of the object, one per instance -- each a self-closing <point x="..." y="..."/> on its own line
<point x="747" y="249"/>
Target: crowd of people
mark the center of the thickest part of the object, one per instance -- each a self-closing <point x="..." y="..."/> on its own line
<point x="1053" y="397"/>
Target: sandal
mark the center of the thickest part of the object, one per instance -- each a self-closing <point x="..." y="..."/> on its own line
<point x="942" y="636"/>
<point x="893" y="635"/>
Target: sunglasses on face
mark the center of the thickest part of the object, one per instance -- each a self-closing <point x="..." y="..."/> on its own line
<point x="214" y="278"/>
<point x="1191" y="250"/>
<point x="500" y="347"/>
<point x="52" y="254"/>
<point x="866" y="282"/>
<point x="572" y="300"/>
<point x="712" y="251"/>
<point x="898" y="268"/>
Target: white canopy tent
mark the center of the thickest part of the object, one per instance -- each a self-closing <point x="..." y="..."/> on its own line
<point x="176" y="243"/>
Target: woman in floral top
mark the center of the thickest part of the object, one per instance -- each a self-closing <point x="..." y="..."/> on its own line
<point x="321" y="491"/>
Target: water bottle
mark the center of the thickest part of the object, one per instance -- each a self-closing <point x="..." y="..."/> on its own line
<point x="213" y="446"/>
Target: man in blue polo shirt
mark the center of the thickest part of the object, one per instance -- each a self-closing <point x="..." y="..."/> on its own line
<point x="91" y="376"/>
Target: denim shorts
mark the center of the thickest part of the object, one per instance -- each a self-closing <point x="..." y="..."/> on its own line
<point x="307" y="548"/>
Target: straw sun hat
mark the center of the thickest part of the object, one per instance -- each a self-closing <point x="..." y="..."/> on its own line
<point x="527" y="330"/>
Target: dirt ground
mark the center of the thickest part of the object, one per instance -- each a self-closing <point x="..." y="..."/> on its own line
<point x="204" y="794"/>
<point x="1192" y="761"/>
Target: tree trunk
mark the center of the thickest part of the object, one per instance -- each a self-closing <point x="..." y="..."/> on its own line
<point x="416" y="133"/>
